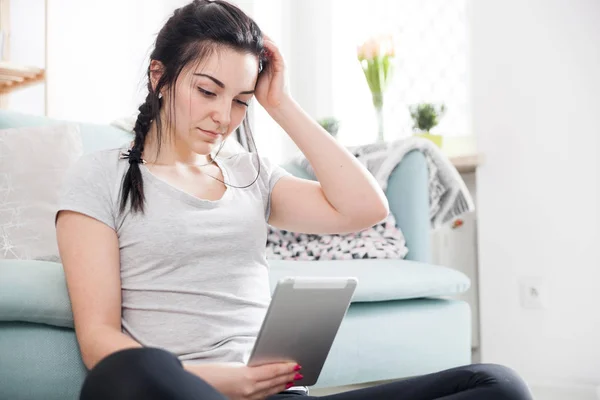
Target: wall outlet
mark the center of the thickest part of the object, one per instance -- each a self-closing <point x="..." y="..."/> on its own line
<point x="533" y="293"/>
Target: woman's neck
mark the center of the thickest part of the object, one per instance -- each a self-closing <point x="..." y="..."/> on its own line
<point x="172" y="152"/>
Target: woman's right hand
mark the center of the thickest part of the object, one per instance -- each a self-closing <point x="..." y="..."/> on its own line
<point x="240" y="382"/>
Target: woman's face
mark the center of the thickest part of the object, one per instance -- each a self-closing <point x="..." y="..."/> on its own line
<point x="211" y="98"/>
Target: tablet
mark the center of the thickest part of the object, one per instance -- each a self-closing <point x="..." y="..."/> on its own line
<point x="301" y="323"/>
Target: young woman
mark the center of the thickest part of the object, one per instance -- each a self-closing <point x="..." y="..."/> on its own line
<point x="163" y="243"/>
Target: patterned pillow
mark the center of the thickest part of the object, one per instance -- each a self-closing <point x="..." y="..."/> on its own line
<point x="383" y="240"/>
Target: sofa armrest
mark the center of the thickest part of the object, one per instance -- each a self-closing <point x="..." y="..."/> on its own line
<point x="408" y="196"/>
<point x="34" y="291"/>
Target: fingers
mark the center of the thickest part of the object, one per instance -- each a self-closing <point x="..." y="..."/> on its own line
<point x="276" y="383"/>
<point x="273" y="391"/>
<point x="272" y="51"/>
<point x="268" y="41"/>
<point x="274" y="378"/>
<point x="271" y="371"/>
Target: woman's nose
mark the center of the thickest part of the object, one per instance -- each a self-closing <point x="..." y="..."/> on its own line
<point x="222" y="113"/>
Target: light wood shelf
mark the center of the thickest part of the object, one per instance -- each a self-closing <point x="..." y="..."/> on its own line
<point x="466" y="163"/>
<point x="13" y="77"/>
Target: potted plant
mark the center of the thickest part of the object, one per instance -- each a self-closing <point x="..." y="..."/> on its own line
<point x="425" y="117"/>
<point x="330" y="124"/>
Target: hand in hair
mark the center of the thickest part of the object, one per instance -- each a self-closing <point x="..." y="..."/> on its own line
<point x="272" y="86"/>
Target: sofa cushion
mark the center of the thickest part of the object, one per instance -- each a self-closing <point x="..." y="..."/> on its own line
<point x="39" y="362"/>
<point x="35" y="291"/>
<point x="380" y="280"/>
<point x="383" y="240"/>
<point x="393" y="339"/>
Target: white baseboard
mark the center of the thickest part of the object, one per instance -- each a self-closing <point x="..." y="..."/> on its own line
<point x="564" y="391"/>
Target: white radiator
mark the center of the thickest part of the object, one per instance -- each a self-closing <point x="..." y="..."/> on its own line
<point x="454" y="245"/>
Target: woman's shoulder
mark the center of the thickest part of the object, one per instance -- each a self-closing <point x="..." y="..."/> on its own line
<point x="91" y="185"/>
<point x="107" y="162"/>
<point x="96" y="169"/>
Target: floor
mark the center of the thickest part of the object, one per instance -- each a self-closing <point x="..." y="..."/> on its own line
<point x="539" y="392"/>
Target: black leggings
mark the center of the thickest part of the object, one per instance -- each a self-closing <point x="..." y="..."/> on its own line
<point x="154" y="374"/>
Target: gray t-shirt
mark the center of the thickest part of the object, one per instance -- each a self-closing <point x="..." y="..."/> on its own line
<point x="194" y="275"/>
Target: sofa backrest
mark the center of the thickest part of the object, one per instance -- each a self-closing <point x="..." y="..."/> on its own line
<point x="94" y="136"/>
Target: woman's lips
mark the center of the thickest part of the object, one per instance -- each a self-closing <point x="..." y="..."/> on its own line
<point x="211" y="134"/>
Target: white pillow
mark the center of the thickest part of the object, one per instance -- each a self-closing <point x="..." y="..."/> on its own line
<point x="33" y="162"/>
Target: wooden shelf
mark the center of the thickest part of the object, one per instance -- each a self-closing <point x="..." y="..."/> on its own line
<point x="14" y="76"/>
<point x="466" y="163"/>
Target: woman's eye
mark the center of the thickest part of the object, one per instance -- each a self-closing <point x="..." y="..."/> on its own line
<point x="206" y="92"/>
<point x="240" y="102"/>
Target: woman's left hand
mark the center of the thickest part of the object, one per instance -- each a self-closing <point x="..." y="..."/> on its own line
<point x="272" y="87"/>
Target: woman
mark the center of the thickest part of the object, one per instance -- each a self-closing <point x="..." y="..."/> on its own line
<point x="163" y="243"/>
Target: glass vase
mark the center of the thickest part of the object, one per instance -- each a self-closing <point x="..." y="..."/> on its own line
<point x="378" y="104"/>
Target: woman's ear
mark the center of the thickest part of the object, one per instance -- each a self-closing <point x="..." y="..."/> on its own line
<point x="156" y="71"/>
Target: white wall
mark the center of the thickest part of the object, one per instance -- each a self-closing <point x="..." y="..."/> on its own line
<point x="535" y="93"/>
<point x="27" y="42"/>
<point x="97" y="56"/>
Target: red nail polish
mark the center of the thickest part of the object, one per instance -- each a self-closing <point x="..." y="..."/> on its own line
<point x="297" y="368"/>
<point x="298" y="377"/>
<point x="289" y="385"/>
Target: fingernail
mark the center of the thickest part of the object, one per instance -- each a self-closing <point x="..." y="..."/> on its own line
<point x="298" y="376"/>
<point x="289" y="385"/>
<point x="297" y="368"/>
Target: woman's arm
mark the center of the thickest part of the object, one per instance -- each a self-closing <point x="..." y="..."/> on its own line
<point x="346" y="197"/>
<point x="89" y="251"/>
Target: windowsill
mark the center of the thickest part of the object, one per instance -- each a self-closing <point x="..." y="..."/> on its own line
<point x="467" y="163"/>
<point x="462" y="152"/>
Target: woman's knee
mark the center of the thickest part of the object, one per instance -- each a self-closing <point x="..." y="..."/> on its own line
<point x="130" y="373"/>
<point x="506" y="382"/>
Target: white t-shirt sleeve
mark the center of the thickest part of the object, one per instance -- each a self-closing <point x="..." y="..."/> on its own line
<point x="270" y="174"/>
<point x="87" y="190"/>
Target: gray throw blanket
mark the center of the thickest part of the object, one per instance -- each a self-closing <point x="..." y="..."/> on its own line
<point x="448" y="194"/>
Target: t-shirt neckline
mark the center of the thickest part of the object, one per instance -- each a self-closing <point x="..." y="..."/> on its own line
<point x="180" y="194"/>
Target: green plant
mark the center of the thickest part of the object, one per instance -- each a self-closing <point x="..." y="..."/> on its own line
<point x="330" y="124"/>
<point x="426" y="115"/>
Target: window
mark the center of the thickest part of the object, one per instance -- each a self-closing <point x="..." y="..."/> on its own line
<point x="431" y="65"/>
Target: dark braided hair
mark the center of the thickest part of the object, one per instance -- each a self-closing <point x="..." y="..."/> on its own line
<point x="193" y="32"/>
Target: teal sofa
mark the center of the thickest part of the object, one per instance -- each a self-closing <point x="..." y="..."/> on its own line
<point x="402" y="321"/>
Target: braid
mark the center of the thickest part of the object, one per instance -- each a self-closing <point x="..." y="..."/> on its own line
<point x="142" y="124"/>
<point x="132" y="182"/>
